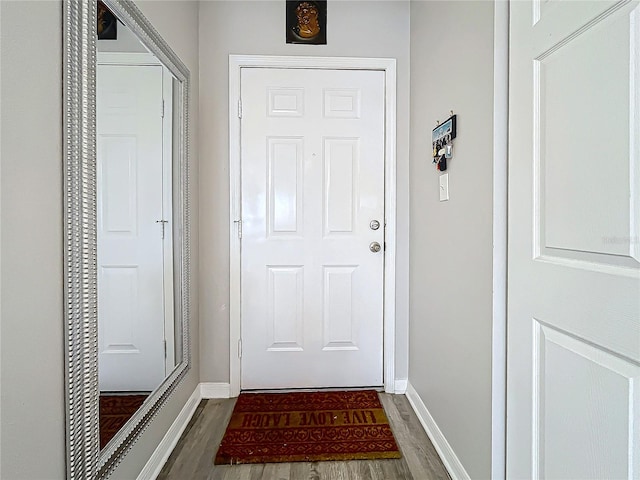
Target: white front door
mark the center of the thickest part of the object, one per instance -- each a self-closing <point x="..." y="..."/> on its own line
<point x="312" y="166"/>
<point x="573" y="394"/>
<point x="130" y="245"/>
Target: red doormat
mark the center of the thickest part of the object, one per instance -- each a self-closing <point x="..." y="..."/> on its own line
<point x="115" y="411"/>
<point x="307" y="426"/>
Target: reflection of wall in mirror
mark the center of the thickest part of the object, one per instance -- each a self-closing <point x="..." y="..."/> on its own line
<point x="126" y="42"/>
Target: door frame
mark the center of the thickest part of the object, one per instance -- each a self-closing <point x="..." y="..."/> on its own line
<point x="500" y="217"/>
<point x="386" y="65"/>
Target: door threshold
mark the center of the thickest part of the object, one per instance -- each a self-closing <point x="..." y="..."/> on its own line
<point x="124" y="393"/>
<point x="377" y="388"/>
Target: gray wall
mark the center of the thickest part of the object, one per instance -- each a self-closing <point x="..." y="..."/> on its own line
<point x="374" y="29"/>
<point x="32" y="358"/>
<point x="32" y="401"/>
<point x="451" y="242"/>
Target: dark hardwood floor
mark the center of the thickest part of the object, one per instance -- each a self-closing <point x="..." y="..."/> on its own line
<point x="192" y="459"/>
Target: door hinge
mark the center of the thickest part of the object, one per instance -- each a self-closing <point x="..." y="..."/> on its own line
<point x="162" y="108"/>
<point x="239" y="223"/>
<point x="240" y="348"/>
<point x="165" y="349"/>
<point x="239" y="108"/>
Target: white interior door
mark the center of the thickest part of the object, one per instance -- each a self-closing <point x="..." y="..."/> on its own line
<point x="130" y="239"/>
<point x="312" y="166"/>
<point x="573" y="397"/>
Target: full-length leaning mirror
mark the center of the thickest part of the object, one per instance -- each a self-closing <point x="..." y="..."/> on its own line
<point x="126" y="229"/>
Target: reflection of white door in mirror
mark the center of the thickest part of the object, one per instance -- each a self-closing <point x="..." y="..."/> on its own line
<point x="132" y="197"/>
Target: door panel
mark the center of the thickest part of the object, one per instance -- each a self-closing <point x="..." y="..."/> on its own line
<point x="340" y="161"/>
<point x="285" y="186"/>
<point x="312" y="181"/>
<point x="339" y="323"/>
<point x="130" y="254"/>
<point x="585" y="404"/>
<point x="574" y="272"/>
<point x="284" y="325"/>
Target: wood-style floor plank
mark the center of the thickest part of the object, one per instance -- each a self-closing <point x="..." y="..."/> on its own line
<point x="193" y="456"/>
<point x="416" y="447"/>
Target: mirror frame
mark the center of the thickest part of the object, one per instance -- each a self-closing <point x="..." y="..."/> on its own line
<point x="84" y="458"/>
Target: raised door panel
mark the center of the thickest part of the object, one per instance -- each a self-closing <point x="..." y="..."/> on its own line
<point x="118" y="184"/>
<point x="340" y="325"/>
<point x="285" y="327"/>
<point x="587" y="151"/>
<point x="587" y="401"/>
<point x="285" y="186"/>
<point x="119" y="310"/>
<point x="340" y="156"/>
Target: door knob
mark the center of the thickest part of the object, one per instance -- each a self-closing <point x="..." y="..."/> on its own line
<point x="374" y="247"/>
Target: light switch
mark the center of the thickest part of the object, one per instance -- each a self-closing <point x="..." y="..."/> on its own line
<point x="444" y="187"/>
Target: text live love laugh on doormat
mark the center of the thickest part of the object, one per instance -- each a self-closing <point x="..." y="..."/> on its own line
<point x="307" y="426"/>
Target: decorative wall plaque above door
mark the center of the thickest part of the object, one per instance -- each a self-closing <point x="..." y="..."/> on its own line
<point x="307" y="22"/>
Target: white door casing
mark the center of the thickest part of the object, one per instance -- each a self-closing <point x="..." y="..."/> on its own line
<point x="573" y="400"/>
<point x="312" y="182"/>
<point x="130" y="243"/>
<point x="387" y="66"/>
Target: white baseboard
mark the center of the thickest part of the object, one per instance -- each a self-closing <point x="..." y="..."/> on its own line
<point x="447" y="455"/>
<point x="157" y="460"/>
<point x="215" y="390"/>
<point x="400" y="386"/>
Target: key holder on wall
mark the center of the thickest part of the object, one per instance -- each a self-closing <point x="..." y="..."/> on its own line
<point x="442" y="141"/>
